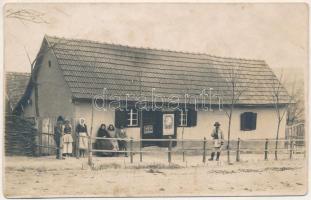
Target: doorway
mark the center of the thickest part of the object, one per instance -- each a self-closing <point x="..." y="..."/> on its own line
<point x="158" y="125"/>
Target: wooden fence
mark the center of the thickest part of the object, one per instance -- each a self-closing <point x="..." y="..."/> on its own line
<point x="240" y="147"/>
<point x="20" y="136"/>
<point x="296" y="131"/>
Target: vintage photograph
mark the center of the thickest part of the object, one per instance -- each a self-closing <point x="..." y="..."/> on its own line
<point x="155" y="99"/>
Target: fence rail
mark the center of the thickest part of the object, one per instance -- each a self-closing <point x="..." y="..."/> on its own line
<point x="204" y="145"/>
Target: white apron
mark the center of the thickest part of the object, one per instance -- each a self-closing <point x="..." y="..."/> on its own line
<point x="83" y="141"/>
<point x="67" y="143"/>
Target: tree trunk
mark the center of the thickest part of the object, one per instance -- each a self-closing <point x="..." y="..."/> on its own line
<point x="277" y="141"/>
<point x="229" y="131"/>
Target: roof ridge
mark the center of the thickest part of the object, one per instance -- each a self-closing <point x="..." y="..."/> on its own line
<point x="158" y="49"/>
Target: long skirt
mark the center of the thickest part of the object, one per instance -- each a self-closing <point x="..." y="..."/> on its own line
<point x="67" y="147"/>
<point x="67" y="143"/>
<point x="83" y="141"/>
<point x="103" y="144"/>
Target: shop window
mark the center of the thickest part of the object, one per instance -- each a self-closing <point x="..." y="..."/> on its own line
<point x="248" y="121"/>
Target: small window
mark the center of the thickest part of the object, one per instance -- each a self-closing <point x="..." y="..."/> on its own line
<point x="183" y="118"/>
<point x="132" y="118"/>
<point x="186" y="118"/>
<point x="50" y="64"/>
<point x="248" y="121"/>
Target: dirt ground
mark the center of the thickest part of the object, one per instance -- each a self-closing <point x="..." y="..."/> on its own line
<point x="117" y="177"/>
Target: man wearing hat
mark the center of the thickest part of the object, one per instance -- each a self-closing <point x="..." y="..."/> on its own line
<point x="218" y="140"/>
<point x="58" y="136"/>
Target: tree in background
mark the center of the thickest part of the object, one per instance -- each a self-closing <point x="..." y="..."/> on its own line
<point x="236" y="87"/>
<point x="295" y="111"/>
<point x="281" y="101"/>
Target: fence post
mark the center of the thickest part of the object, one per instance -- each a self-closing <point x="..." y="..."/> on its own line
<point x="183" y="151"/>
<point x="304" y="147"/>
<point x="140" y="152"/>
<point x="238" y="151"/>
<point x="294" y="146"/>
<point x="40" y="136"/>
<point x="204" y="150"/>
<point x="131" y="150"/>
<point x="48" y="149"/>
<point x="77" y="145"/>
<point x="266" y="149"/>
<point x="290" y="149"/>
<point x="90" y="162"/>
<point x="170" y="151"/>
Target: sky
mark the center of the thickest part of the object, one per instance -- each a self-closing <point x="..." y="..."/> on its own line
<point x="276" y="33"/>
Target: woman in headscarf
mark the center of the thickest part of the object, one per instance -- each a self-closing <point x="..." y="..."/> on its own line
<point x="67" y="138"/>
<point x="82" y="135"/>
<point x="112" y="133"/>
<point x="103" y="144"/>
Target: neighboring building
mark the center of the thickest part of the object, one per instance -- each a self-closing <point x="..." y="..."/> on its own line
<point x="16" y="84"/>
<point x="20" y="134"/>
<point x="70" y="72"/>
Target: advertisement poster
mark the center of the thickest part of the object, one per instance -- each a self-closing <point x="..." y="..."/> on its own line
<point x="148" y="129"/>
<point x="168" y="124"/>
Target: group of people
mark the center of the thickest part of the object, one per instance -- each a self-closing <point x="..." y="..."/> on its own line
<point x="64" y="140"/>
<point x="108" y="139"/>
<point x="108" y="142"/>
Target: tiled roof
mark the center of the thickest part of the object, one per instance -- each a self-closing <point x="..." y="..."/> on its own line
<point x="16" y="84"/>
<point x="90" y="66"/>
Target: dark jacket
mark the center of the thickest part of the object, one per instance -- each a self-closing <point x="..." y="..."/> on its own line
<point x="81" y="129"/>
<point x="103" y="133"/>
<point x="57" y="133"/>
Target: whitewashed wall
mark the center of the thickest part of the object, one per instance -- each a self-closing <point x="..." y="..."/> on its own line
<point x="265" y="128"/>
<point x="266" y="123"/>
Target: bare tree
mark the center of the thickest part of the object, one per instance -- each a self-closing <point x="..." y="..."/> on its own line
<point x="295" y="111"/>
<point x="280" y="106"/>
<point x="27" y="15"/>
<point x="34" y="82"/>
<point x="236" y="88"/>
<point x="34" y="69"/>
<point x="33" y="16"/>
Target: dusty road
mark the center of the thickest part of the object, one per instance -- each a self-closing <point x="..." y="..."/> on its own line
<point x="112" y="177"/>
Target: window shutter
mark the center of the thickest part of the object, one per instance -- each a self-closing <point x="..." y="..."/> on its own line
<point x="249" y="116"/>
<point x="177" y="117"/>
<point x="253" y="121"/>
<point x="242" y="120"/>
<point x="192" y="118"/>
<point x="120" y="118"/>
<point x="248" y="121"/>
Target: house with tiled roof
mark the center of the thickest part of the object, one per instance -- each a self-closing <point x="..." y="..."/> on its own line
<point x="153" y="93"/>
<point x="15" y="85"/>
